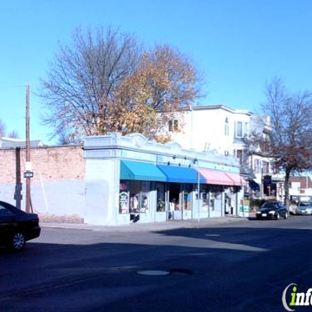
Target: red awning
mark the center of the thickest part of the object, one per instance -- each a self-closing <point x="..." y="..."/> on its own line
<point x="215" y="177"/>
<point x="236" y="178"/>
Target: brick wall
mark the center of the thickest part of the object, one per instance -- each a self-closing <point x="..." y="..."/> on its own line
<point x="48" y="164"/>
<point x="58" y="186"/>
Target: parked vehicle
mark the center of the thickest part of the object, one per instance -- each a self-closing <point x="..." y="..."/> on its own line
<point x="17" y="226"/>
<point x="272" y="210"/>
<point x="304" y="208"/>
<point x="292" y="208"/>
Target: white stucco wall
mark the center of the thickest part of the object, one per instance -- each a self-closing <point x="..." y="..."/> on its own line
<point x="204" y="128"/>
<point x="102" y="185"/>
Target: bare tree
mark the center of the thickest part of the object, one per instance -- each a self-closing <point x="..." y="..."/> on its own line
<point x="105" y="82"/>
<point x="83" y="78"/>
<point x="65" y="138"/>
<point x="289" y="140"/>
<point x="2" y="128"/>
<point x="13" y="134"/>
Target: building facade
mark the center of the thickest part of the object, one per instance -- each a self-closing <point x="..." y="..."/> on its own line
<point x="58" y="182"/>
<point x="213" y="127"/>
<point x="300" y="188"/>
<point x="224" y="130"/>
<point x="117" y="179"/>
<point x="130" y="179"/>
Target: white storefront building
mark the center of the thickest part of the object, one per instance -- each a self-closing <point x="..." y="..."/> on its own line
<point x="131" y="179"/>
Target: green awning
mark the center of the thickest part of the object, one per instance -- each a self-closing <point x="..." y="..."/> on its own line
<point x="134" y="170"/>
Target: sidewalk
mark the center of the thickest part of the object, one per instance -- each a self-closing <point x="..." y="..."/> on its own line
<point x="147" y="227"/>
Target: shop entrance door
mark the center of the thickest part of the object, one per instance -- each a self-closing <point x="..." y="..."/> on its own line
<point x="186" y="201"/>
<point x="175" y="201"/>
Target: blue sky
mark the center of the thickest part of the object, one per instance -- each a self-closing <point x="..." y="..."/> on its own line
<point x="239" y="45"/>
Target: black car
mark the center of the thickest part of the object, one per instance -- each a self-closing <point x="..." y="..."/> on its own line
<point x="272" y="210"/>
<point x="17" y="226"/>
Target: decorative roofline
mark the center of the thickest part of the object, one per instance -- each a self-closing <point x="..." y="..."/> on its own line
<point x="136" y="142"/>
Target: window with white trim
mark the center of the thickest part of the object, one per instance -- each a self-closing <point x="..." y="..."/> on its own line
<point x="173" y="125"/>
<point x="265" y="167"/>
<point x="257" y="165"/>
<point x="239" y="156"/>
<point x="226" y="127"/>
<point x="241" y="129"/>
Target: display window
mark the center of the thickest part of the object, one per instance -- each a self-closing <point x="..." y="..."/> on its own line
<point x="161" y="197"/>
<point x="123" y="199"/>
<point x="134" y="197"/>
<point x="187" y="191"/>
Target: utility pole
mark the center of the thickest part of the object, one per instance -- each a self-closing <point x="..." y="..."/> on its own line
<point x="28" y="163"/>
<point x="18" y="186"/>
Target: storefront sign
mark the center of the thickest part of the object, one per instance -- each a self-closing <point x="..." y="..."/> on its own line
<point x="244" y="206"/>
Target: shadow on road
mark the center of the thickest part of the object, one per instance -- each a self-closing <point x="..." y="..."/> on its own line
<point x="208" y="267"/>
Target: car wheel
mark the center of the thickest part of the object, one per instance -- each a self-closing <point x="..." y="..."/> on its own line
<point x="286" y="215"/>
<point x="277" y="216"/>
<point x="18" y="241"/>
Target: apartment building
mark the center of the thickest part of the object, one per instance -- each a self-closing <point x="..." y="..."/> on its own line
<point x="223" y="130"/>
<point x="212" y="127"/>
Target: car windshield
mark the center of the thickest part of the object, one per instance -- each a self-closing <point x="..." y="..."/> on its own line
<point x="305" y="204"/>
<point x="304" y="207"/>
<point x="270" y="205"/>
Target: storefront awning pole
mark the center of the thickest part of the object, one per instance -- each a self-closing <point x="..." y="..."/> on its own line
<point x="198" y="198"/>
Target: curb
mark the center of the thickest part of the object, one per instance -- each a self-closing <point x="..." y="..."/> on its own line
<point x="146" y="227"/>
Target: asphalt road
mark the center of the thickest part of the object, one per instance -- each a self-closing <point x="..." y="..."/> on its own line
<point x="239" y="266"/>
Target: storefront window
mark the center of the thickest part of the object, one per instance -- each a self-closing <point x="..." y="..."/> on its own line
<point x="187" y="200"/>
<point x="134" y="203"/>
<point x="139" y="203"/>
<point x="123" y="202"/>
<point x="206" y="199"/>
<point x="144" y="203"/>
<point x="212" y="204"/>
<point x="134" y="197"/>
<point x="123" y="198"/>
<point x="160" y="188"/>
<point x="215" y="198"/>
<point x="187" y="196"/>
